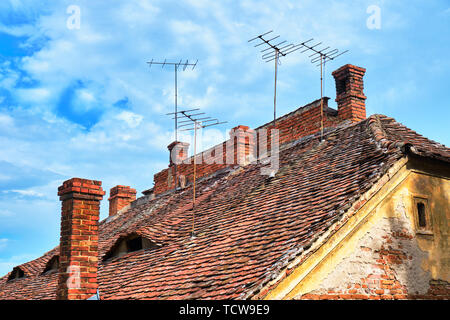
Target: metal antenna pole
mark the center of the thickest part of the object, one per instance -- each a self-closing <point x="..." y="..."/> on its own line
<point x="193" y="122"/>
<point x="273" y="52"/>
<point x="176" y="121"/>
<point x="195" y="178"/>
<point x="176" y="65"/>
<point x="321" y="98"/>
<point x="176" y="103"/>
<point x="321" y="56"/>
<point x="275" y="93"/>
<point x="195" y="153"/>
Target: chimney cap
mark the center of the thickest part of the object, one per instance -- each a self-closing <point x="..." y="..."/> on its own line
<point x="348" y="68"/>
<point x="176" y="143"/>
<point x="122" y="191"/>
<point x="81" y="187"/>
<point x="241" y="127"/>
<point x="238" y="128"/>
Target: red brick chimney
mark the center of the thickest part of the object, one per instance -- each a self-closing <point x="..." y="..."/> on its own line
<point x="120" y="197"/>
<point x="178" y="152"/>
<point x="79" y="238"/>
<point x="242" y="139"/>
<point x="350" y="97"/>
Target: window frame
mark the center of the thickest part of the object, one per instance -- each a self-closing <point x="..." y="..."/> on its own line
<point x="428" y="229"/>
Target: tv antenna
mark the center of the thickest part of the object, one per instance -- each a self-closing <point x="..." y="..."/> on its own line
<point x="271" y="52"/>
<point x="175" y="65"/>
<point x="192" y="120"/>
<point x="320" y="57"/>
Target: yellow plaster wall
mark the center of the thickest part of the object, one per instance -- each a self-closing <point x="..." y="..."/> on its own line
<point x="391" y="207"/>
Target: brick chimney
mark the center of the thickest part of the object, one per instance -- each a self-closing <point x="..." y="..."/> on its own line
<point x="120" y="197"/>
<point x="242" y="140"/>
<point x="350" y="97"/>
<point x="178" y="152"/>
<point x="79" y="238"/>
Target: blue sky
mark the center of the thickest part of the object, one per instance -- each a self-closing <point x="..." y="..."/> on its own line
<point x="83" y="103"/>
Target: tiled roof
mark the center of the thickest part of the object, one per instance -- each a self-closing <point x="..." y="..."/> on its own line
<point x="34" y="285"/>
<point x="248" y="226"/>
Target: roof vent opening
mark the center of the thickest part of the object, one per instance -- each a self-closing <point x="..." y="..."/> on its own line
<point x="17" y="273"/>
<point x="52" y="266"/>
<point x="128" y="244"/>
<point x="134" y="244"/>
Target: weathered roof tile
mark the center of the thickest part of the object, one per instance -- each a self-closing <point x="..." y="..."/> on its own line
<point x="248" y="227"/>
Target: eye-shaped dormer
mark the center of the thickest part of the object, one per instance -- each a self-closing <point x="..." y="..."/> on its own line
<point x="16" y="273"/>
<point x="52" y="265"/>
<point x="129" y="243"/>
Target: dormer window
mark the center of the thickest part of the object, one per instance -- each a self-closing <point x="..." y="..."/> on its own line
<point x="134" y="244"/>
<point x="52" y="266"/>
<point x="17" y="273"/>
<point x="129" y="244"/>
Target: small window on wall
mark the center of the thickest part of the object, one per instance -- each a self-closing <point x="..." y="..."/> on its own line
<point x="422" y="215"/>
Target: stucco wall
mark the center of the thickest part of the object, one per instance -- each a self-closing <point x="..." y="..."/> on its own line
<point x="379" y="252"/>
<point x="388" y="258"/>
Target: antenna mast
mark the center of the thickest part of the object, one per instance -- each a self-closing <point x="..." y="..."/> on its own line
<point x="192" y="121"/>
<point x="321" y="56"/>
<point x="176" y="65"/>
<point x="272" y="52"/>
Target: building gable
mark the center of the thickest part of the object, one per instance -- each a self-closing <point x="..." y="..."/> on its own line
<point x="381" y="252"/>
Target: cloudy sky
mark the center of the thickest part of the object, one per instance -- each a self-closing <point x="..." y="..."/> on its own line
<point x="77" y="98"/>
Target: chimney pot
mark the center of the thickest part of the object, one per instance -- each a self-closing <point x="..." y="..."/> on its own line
<point x="242" y="140"/>
<point x="178" y="152"/>
<point x="350" y="97"/>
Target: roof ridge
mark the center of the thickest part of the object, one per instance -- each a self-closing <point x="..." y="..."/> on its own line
<point x="378" y="132"/>
<point x="382" y="137"/>
<point x="405" y="144"/>
<point x="300" y="109"/>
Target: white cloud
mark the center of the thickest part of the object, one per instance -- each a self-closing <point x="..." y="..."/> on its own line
<point x="8" y="76"/>
<point x="17" y="31"/>
<point x="28" y="193"/>
<point x="86" y="96"/>
<point x="133" y="120"/>
<point x="6" y="121"/>
<point x="33" y="95"/>
<point x="205" y="101"/>
<point x="3" y="243"/>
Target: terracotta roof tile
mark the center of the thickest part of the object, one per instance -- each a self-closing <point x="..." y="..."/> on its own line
<point x="248" y="227"/>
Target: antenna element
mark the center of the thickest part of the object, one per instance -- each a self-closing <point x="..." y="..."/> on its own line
<point x="176" y="65"/>
<point x="192" y="121"/>
<point x="271" y="52"/>
<point x="320" y="57"/>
